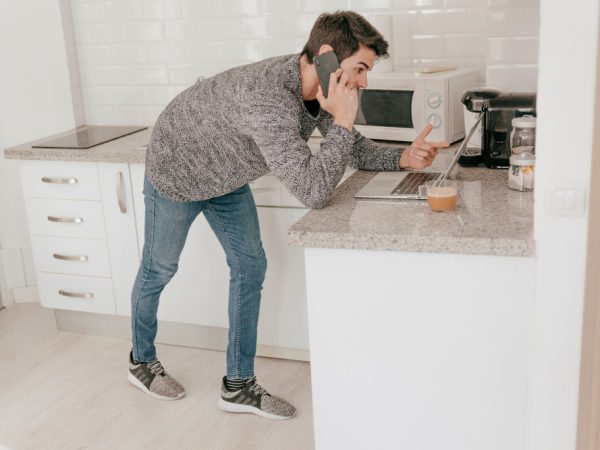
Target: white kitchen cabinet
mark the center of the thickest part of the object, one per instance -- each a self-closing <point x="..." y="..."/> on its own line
<point x="199" y="291"/>
<point x="122" y="241"/>
<point x="82" y="226"/>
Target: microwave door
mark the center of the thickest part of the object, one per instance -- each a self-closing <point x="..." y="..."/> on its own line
<point x="388" y="113"/>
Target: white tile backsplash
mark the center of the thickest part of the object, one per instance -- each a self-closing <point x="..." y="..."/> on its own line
<point x="194" y="9"/>
<point x="165" y="52"/>
<point x="281" y="8"/>
<point x="88" y="12"/>
<point x="298" y="27"/>
<point x="513" y="77"/>
<point x="513" y="21"/>
<point x="93" y="55"/>
<point x="477" y="20"/>
<point x="464" y="46"/>
<point x="223" y="51"/>
<point x="319" y="6"/>
<point x="512" y="50"/>
<point x="135" y="55"/>
<point x="239" y="8"/>
<point x="274" y="47"/>
<point x="128" y="54"/>
<point x="142" y="10"/>
<point x="426" y="47"/>
<point x="453" y="3"/>
<point x="370" y="4"/>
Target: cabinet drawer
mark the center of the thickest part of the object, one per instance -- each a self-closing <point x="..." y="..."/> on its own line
<point x="71" y="256"/>
<point x="76" y="293"/>
<point x="72" y="218"/>
<point x="51" y="179"/>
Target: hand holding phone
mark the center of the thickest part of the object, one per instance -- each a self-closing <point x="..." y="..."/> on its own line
<point x="326" y="64"/>
<point x="337" y="96"/>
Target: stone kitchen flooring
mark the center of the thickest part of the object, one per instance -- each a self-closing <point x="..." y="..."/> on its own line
<point x="69" y="391"/>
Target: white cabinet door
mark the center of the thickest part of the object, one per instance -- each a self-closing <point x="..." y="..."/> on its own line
<point x="117" y="202"/>
<point x="283" y="317"/>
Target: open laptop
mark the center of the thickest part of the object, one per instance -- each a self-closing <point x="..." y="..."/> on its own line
<point x="404" y="184"/>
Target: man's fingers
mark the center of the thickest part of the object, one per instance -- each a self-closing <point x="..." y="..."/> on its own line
<point x="440" y="144"/>
<point x="343" y="79"/>
<point x="332" y="82"/>
<point x="427" y="148"/>
<point x="425" y="132"/>
<point x="423" y="154"/>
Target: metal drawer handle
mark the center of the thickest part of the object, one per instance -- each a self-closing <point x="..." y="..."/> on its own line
<point x="59" y="180"/>
<point x="76" y="294"/>
<point x="121" y="193"/>
<point x="79" y="258"/>
<point x="65" y="219"/>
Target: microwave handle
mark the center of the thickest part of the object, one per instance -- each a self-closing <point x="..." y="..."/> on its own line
<point x="417" y="110"/>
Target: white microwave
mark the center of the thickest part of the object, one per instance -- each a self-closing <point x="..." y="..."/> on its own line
<point x="396" y="106"/>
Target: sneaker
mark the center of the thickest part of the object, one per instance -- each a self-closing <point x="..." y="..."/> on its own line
<point x="153" y="380"/>
<point x="254" y="399"/>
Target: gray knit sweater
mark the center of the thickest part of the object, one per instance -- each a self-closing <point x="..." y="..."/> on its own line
<point x="239" y="125"/>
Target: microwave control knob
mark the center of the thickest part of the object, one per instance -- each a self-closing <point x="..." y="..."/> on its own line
<point x="434" y="100"/>
<point x="435" y="120"/>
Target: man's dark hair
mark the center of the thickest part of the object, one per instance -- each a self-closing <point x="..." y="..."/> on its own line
<point x="345" y="31"/>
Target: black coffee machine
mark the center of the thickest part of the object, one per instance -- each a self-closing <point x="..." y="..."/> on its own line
<point x="499" y="109"/>
<point x="499" y="113"/>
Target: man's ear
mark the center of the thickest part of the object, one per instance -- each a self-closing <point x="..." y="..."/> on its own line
<point x="325" y="48"/>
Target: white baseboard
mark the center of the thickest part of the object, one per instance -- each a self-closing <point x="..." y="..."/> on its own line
<point x="7" y="297"/>
<point x="11" y="265"/>
<point x="27" y="294"/>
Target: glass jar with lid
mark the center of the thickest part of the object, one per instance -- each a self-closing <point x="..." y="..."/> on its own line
<point x="522" y="136"/>
<point x="520" y="172"/>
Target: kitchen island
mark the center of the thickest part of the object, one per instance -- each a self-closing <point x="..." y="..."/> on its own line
<point x="420" y="322"/>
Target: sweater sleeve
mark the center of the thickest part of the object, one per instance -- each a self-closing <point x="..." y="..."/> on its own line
<point x="366" y="154"/>
<point x="274" y="124"/>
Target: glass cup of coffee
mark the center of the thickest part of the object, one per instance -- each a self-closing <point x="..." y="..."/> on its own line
<point x="441" y="195"/>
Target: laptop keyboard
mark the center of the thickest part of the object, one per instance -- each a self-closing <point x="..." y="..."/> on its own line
<point x="410" y="184"/>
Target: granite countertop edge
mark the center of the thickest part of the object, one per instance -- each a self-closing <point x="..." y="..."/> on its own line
<point x="450" y="245"/>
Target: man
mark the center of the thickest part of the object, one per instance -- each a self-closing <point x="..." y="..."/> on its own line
<point x="209" y="143"/>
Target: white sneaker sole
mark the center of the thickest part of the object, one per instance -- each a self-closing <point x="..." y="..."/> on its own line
<point x="138" y="384"/>
<point x="236" y="408"/>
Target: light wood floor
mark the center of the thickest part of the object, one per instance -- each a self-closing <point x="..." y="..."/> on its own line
<point x="69" y="391"/>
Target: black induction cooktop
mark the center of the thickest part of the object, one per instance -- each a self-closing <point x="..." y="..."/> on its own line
<point x="88" y="136"/>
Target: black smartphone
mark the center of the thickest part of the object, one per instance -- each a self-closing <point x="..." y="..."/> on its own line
<point x="326" y="64"/>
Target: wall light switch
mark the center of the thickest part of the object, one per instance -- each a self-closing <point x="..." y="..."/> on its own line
<point x="566" y="199"/>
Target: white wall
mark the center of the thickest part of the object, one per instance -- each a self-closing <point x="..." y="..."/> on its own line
<point x="136" y="55"/>
<point x="564" y="148"/>
<point x="36" y="101"/>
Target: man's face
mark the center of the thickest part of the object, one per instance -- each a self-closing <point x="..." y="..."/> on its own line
<point x="358" y="65"/>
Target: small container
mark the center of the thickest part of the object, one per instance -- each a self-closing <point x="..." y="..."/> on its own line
<point x="441" y="195"/>
<point x="520" y="172"/>
<point x="522" y="136"/>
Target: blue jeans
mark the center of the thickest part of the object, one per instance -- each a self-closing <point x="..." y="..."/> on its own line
<point x="234" y="220"/>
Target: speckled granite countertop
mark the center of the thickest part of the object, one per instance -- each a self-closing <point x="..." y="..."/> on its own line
<point x="490" y="219"/>
<point x="126" y="149"/>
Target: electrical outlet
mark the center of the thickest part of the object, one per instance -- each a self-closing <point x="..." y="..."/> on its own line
<point x="566" y="199"/>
